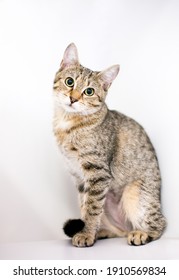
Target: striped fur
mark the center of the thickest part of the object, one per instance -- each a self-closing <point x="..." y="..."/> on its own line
<point x="110" y="157"/>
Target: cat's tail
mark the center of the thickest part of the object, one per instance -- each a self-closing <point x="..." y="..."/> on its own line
<point x="71" y="227"/>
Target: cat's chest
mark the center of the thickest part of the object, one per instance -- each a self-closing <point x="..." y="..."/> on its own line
<point x="73" y="140"/>
<point x="64" y="125"/>
<point x="70" y="150"/>
<point x="72" y="160"/>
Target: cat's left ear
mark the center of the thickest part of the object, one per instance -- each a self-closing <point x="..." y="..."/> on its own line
<point x="70" y="56"/>
<point x="107" y="76"/>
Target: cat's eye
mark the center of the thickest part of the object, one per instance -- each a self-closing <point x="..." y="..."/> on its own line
<point x="89" y="91"/>
<point x="69" y="82"/>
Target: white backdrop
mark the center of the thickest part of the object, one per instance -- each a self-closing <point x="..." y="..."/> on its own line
<point x="36" y="193"/>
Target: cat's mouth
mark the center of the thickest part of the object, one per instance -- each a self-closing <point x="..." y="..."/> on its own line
<point x="70" y="107"/>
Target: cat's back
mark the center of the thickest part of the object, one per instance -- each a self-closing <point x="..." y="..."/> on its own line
<point x="128" y="130"/>
<point x="134" y="153"/>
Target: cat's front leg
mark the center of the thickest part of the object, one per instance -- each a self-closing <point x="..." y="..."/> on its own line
<point x="92" y="202"/>
<point x="91" y="211"/>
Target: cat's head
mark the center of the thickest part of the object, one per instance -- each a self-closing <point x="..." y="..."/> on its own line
<point x="78" y="89"/>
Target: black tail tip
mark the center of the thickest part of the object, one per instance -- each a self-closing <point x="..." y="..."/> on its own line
<point x="71" y="227"/>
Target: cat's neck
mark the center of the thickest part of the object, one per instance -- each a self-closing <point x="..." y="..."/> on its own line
<point x="66" y="121"/>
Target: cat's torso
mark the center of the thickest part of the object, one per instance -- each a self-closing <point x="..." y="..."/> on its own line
<point x="116" y="140"/>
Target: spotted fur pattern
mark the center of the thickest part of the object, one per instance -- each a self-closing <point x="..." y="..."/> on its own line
<point x="110" y="157"/>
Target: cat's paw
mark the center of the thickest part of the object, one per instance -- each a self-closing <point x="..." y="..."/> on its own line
<point x="83" y="239"/>
<point x="138" y="237"/>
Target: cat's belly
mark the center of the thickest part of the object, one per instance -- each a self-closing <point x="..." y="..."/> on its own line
<point x="114" y="212"/>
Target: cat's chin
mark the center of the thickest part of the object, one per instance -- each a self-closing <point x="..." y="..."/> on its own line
<point x="73" y="110"/>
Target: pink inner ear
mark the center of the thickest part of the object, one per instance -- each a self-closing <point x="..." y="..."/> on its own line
<point x="108" y="75"/>
<point x="70" y="56"/>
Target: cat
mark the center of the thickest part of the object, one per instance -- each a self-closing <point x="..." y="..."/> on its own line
<point x="110" y="157"/>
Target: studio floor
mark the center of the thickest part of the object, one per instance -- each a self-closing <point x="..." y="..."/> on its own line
<point x="109" y="249"/>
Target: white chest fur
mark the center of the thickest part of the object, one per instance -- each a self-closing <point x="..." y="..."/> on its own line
<point x="73" y="163"/>
<point x="62" y="121"/>
<point x="62" y="125"/>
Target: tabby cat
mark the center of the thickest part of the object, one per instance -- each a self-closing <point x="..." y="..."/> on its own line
<point x="110" y="157"/>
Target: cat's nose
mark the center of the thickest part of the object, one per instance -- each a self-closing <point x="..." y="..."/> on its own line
<point x="73" y="100"/>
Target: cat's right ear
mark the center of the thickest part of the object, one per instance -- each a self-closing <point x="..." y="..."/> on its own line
<point x="70" y="56"/>
<point x="107" y="76"/>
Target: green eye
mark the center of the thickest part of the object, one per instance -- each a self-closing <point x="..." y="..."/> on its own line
<point x="89" y="91"/>
<point x="69" y="82"/>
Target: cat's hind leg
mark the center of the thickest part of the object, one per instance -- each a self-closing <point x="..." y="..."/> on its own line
<point x="141" y="205"/>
